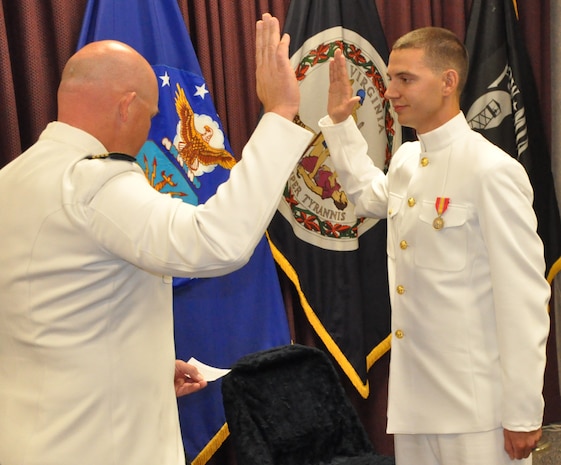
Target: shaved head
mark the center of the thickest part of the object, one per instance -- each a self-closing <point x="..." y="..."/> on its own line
<point x="98" y="85"/>
<point x="106" y="63"/>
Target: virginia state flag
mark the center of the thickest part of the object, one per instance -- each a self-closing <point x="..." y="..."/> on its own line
<point x="501" y="101"/>
<point x="187" y="155"/>
<point x="336" y="261"/>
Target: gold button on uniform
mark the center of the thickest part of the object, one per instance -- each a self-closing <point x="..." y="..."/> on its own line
<point x="403" y="245"/>
<point x="411" y="201"/>
<point x="400" y="290"/>
<point x="424" y="161"/>
<point x="399" y="334"/>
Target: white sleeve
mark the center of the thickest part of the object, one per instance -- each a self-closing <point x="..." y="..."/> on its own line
<point x="364" y="183"/>
<point x="114" y="203"/>
<point x="520" y="290"/>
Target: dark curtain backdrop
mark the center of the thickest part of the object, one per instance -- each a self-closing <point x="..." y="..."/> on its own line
<point x="38" y="36"/>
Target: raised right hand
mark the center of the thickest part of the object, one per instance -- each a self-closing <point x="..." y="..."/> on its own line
<point x="340" y="102"/>
<point x="277" y="87"/>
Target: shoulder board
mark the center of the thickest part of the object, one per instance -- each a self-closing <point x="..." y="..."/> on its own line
<point x="112" y="156"/>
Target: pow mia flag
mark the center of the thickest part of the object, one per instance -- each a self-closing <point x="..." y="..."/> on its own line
<point x="500" y="101"/>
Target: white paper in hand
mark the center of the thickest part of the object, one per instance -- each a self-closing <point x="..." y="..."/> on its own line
<point x="209" y="373"/>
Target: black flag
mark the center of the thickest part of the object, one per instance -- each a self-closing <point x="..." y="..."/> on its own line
<point x="501" y="101"/>
<point x="337" y="261"/>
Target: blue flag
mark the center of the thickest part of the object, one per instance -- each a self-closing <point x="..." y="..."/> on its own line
<point x="187" y="155"/>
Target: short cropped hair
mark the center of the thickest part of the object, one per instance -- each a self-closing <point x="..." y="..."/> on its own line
<point x="443" y="50"/>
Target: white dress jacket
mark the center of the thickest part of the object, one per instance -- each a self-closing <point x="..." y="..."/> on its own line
<point x="469" y="300"/>
<point x="86" y="330"/>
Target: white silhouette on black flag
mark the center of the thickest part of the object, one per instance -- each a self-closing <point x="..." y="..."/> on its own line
<point x="501" y="102"/>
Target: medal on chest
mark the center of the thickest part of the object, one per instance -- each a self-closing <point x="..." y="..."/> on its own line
<point x="441" y="205"/>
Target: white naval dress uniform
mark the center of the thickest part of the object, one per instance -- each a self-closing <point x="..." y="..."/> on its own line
<point x="469" y="300"/>
<point x="86" y="330"/>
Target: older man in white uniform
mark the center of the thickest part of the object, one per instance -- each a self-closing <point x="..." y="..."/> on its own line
<point x="88" y="251"/>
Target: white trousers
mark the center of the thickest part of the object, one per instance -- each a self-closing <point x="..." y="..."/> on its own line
<point x="485" y="448"/>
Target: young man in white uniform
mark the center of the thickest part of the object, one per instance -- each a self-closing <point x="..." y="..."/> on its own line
<point x="466" y="266"/>
<point x="88" y="250"/>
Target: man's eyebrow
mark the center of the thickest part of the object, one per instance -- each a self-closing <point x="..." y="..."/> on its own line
<point x="401" y="73"/>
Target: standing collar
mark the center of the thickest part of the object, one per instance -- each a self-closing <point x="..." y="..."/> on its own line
<point x="444" y="135"/>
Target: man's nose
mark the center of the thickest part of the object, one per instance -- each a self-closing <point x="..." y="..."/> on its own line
<point x="390" y="92"/>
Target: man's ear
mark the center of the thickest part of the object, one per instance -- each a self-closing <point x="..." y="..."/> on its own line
<point x="450" y="81"/>
<point x="124" y="105"/>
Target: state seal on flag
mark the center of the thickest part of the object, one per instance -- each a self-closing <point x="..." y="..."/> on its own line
<point x="314" y="202"/>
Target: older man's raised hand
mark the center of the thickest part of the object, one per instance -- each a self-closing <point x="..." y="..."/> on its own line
<point x="277" y="87"/>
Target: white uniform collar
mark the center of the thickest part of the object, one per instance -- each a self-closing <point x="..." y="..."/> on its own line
<point x="439" y="138"/>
